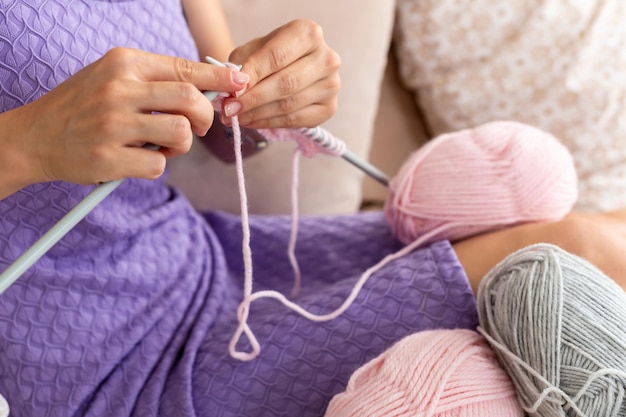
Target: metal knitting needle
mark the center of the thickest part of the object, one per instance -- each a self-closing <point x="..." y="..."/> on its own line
<point x="366" y="167"/>
<point x="52" y="236"/>
<point x="60" y="229"/>
<point x="328" y="141"/>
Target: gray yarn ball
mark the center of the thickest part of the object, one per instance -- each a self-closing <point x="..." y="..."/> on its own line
<point x="558" y="327"/>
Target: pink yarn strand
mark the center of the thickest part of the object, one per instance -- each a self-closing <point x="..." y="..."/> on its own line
<point x="504" y="173"/>
<point x="309" y="142"/>
<point x="291" y="251"/>
<point x="356" y="289"/>
<point x="333" y="148"/>
<point x="244" y="308"/>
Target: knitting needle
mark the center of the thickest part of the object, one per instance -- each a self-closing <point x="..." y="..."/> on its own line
<point x="348" y="155"/>
<point x="366" y="167"/>
<point x="52" y="236"/>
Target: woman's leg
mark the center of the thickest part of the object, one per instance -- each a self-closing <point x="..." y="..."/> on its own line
<point x="600" y="238"/>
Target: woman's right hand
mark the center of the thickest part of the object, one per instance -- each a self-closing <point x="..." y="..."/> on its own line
<point x="91" y="128"/>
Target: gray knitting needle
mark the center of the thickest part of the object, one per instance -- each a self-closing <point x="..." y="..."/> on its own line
<point x="366" y="167"/>
<point x="325" y="139"/>
<point x="52" y="236"/>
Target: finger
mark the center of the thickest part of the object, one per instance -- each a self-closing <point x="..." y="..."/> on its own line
<point x="126" y="162"/>
<point x="177" y="98"/>
<point x="138" y="162"/>
<point x="288" y="82"/>
<point x="309" y="116"/>
<point x="124" y="156"/>
<point x="321" y="92"/>
<point x="154" y="67"/>
<point x="171" y="132"/>
<point x="281" y="48"/>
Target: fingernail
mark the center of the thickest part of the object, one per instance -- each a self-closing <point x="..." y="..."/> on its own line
<point x="240" y="78"/>
<point x="232" y="108"/>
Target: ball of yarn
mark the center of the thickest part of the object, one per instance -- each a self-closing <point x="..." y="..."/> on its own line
<point x="430" y="373"/>
<point x="476" y="180"/>
<point x="558" y="326"/>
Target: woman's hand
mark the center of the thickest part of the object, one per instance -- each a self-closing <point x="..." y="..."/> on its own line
<point x="91" y="128"/>
<point x="294" y="79"/>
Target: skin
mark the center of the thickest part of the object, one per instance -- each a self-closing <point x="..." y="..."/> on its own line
<point x="294" y="78"/>
<point x="96" y="122"/>
<point x="600" y="238"/>
<point x="294" y="74"/>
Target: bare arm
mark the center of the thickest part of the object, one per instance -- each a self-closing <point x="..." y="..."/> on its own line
<point x="600" y="238"/>
<point x="209" y="28"/>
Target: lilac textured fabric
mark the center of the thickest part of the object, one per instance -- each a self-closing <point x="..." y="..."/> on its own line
<point x="131" y="313"/>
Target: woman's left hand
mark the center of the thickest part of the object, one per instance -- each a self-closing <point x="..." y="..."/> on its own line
<point x="294" y="79"/>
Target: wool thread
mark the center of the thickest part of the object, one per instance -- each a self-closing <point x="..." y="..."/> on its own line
<point x="524" y="173"/>
<point x="310" y="142"/>
<point x="430" y="373"/>
<point x="556" y="324"/>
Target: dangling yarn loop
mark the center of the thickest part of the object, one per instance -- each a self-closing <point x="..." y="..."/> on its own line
<point x="458" y="185"/>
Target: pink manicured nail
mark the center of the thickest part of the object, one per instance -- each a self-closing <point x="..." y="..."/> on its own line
<point x="232" y="108"/>
<point x="240" y="78"/>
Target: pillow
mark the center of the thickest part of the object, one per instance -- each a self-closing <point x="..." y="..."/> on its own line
<point x="327" y="185"/>
<point x="555" y="64"/>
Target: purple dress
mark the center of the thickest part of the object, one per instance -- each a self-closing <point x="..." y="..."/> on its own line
<point x="131" y="313"/>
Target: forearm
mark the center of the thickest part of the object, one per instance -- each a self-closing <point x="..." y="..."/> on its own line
<point x="600" y="238"/>
<point x="209" y="28"/>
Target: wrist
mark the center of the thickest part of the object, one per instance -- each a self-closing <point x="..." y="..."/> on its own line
<point x="15" y="167"/>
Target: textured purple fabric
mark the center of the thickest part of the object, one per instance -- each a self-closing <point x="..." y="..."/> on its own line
<point x="131" y="313"/>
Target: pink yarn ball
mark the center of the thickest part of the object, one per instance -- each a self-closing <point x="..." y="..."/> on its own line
<point x="431" y="373"/>
<point x="477" y="180"/>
